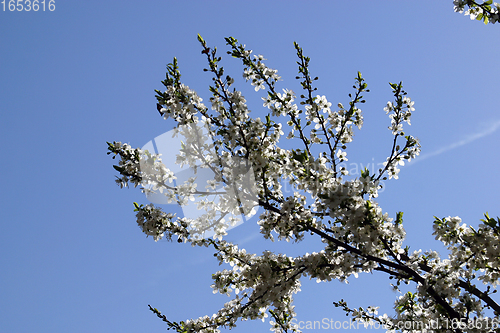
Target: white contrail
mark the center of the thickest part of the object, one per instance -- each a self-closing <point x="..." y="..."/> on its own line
<point x="487" y="131"/>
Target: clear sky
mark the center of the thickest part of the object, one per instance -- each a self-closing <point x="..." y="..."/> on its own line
<point x="72" y="257"/>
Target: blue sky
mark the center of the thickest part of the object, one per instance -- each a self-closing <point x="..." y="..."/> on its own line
<point x="73" y="258"/>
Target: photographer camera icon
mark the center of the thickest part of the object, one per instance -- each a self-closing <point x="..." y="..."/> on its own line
<point x="215" y="190"/>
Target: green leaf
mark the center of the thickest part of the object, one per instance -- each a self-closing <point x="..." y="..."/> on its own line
<point x="399" y="218"/>
<point x="118" y="168"/>
<point x="365" y="172"/>
<point x="300" y="157"/>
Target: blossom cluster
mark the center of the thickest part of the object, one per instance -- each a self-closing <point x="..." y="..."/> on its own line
<point x="477" y="252"/>
<point x="358" y="235"/>
<point x="259" y="73"/>
<point x="488" y="11"/>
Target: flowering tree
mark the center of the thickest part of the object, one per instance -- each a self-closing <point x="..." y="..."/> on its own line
<point x="488" y="11"/>
<point x="326" y="202"/>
